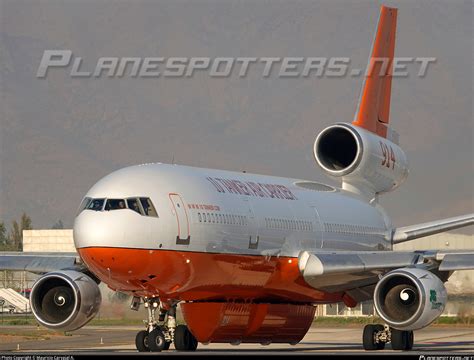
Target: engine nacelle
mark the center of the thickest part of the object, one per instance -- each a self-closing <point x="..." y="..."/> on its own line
<point x="409" y="298"/>
<point x="65" y="300"/>
<point x="366" y="162"/>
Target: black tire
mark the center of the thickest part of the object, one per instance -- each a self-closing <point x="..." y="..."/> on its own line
<point x="156" y="340"/>
<point x="184" y="340"/>
<point x="402" y="340"/>
<point x="141" y="341"/>
<point x="410" y="340"/>
<point x="380" y="345"/>
<point x="368" y="337"/>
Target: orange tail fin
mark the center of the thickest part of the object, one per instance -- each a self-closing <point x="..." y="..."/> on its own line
<point x="374" y="104"/>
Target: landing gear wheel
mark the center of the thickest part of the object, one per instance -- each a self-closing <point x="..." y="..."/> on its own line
<point x="380" y="344"/>
<point x="141" y="341"/>
<point x="402" y="340"/>
<point x="156" y="340"/>
<point x="184" y="340"/>
<point x="368" y="337"/>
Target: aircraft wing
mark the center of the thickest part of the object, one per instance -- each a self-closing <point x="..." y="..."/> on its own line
<point x="354" y="271"/>
<point x="40" y="263"/>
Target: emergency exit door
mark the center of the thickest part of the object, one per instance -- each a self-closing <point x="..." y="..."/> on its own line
<point x="183" y="237"/>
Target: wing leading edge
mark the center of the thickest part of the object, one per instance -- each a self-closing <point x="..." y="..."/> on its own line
<point x="40" y="263"/>
<point x="342" y="271"/>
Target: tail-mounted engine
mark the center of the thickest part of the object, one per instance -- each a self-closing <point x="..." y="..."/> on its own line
<point x="65" y="300"/>
<point x="410" y="299"/>
<point x="367" y="163"/>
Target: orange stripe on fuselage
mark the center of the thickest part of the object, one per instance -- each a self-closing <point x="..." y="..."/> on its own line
<point x="190" y="276"/>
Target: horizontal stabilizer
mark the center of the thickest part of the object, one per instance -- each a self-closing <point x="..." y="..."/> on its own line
<point x="408" y="233"/>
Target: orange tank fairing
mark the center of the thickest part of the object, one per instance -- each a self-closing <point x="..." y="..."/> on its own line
<point x="193" y="276"/>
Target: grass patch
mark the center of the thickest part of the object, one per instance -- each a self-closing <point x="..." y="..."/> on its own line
<point x="455" y="320"/>
<point x="19" y="320"/>
<point x="364" y="320"/>
<point x="111" y="322"/>
<point x="318" y="321"/>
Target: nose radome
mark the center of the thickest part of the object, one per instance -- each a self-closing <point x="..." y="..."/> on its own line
<point x="98" y="229"/>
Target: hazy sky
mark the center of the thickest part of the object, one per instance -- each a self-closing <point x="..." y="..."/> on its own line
<point x="59" y="135"/>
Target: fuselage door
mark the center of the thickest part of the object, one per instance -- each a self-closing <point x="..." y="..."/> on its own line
<point x="318" y="229"/>
<point x="252" y="224"/>
<point x="183" y="237"/>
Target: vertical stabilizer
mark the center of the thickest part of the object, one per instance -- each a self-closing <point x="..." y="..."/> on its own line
<point x="373" y="109"/>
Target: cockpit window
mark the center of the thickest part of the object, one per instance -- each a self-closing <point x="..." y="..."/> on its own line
<point x="140" y="205"/>
<point x="96" y="204"/>
<point x="84" y="204"/>
<point x="133" y="205"/>
<point x="115" y="204"/>
<point x="148" y="207"/>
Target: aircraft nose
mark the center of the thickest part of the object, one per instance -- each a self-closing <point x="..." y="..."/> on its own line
<point x="95" y="228"/>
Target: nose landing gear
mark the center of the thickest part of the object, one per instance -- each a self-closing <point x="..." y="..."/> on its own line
<point x="159" y="335"/>
<point x="376" y="336"/>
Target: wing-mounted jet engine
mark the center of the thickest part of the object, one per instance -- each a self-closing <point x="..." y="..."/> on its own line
<point x="65" y="300"/>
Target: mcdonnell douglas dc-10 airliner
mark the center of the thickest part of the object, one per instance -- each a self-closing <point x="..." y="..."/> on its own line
<point x="249" y="257"/>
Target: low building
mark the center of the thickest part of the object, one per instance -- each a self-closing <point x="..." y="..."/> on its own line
<point x="51" y="240"/>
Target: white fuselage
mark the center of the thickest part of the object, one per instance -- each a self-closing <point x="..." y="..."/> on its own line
<point x="215" y="211"/>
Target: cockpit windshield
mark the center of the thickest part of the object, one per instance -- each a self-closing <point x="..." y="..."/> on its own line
<point x="148" y="207"/>
<point x="141" y="205"/>
<point x="133" y="205"/>
<point x="96" y="204"/>
<point x="115" y="204"/>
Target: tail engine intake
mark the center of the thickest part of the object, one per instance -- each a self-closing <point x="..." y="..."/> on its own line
<point x="366" y="162"/>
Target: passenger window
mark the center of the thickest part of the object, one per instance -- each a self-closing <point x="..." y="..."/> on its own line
<point x="115" y="204"/>
<point x="148" y="207"/>
<point x="96" y="204"/>
<point x="133" y="205"/>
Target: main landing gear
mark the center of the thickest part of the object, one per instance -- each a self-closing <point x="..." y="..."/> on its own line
<point x="376" y="336"/>
<point x="159" y="335"/>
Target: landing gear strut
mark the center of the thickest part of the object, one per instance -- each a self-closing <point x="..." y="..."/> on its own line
<point x="376" y="336"/>
<point x="159" y="335"/>
<point x="156" y="337"/>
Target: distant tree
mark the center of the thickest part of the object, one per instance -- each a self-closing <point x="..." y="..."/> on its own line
<point x="15" y="235"/>
<point x="16" y="232"/>
<point x="3" y="234"/>
<point x="58" y="225"/>
<point x="25" y="222"/>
